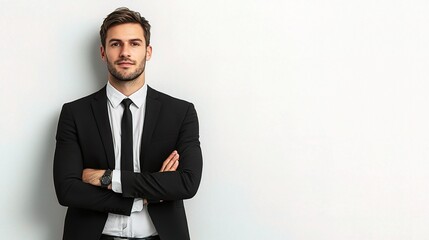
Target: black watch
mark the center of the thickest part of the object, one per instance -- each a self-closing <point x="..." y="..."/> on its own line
<point x="106" y="179"/>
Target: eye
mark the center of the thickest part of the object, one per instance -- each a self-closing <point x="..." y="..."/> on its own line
<point x="114" y="44"/>
<point x="135" y="44"/>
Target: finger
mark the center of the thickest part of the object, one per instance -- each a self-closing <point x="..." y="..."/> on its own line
<point x="166" y="161"/>
<point x="175" y="165"/>
<point x="176" y="157"/>
<point x="172" y="162"/>
<point x="172" y="154"/>
<point x="163" y="166"/>
<point x="169" y="165"/>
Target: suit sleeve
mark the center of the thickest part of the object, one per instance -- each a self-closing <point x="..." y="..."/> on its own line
<point x="68" y="167"/>
<point x="174" y="185"/>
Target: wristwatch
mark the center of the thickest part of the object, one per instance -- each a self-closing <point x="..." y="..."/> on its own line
<point x="106" y="179"/>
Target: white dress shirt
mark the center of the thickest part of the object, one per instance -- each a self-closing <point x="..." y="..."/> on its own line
<point x="139" y="224"/>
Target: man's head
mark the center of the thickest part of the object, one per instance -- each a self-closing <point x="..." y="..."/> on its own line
<point x="121" y="16"/>
<point x="125" y="37"/>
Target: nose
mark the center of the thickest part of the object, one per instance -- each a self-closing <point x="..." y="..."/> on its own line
<point x="125" y="51"/>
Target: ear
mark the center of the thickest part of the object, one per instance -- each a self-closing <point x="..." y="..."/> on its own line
<point x="148" y="52"/>
<point x="102" y="53"/>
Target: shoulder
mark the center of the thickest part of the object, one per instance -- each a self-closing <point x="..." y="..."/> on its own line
<point x="165" y="98"/>
<point x="100" y="95"/>
<point x="170" y="105"/>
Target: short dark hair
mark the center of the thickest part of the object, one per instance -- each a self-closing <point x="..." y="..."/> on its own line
<point x="120" y="16"/>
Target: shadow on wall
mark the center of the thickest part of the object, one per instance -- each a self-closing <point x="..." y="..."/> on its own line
<point x="99" y="73"/>
<point x="47" y="212"/>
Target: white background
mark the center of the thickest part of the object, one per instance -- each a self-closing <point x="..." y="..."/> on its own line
<point x="313" y="114"/>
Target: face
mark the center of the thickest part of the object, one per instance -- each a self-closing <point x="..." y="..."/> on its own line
<point x="126" y="52"/>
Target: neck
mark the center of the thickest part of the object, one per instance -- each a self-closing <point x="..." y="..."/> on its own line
<point x="127" y="87"/>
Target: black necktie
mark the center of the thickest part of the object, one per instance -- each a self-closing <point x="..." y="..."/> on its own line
<point x="127" y="137"/>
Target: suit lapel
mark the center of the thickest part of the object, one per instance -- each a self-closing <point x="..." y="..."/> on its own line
<point x="153" y="107"/>
<point x="99" y="108"/>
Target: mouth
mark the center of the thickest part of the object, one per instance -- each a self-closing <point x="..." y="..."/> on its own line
<point x="125" y="63"/>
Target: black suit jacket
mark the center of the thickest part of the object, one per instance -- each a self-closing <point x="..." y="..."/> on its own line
<point x="84" y="140"/>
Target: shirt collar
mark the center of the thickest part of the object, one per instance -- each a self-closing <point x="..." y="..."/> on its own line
<point x="115" y="97"/>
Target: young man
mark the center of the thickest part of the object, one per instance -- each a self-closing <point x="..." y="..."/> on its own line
<point x="116" y="164"/>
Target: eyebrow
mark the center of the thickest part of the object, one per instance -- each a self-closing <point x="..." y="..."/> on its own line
<point x="130" y="40"/>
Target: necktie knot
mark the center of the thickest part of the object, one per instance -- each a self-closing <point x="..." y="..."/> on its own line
<point x="126" y="102"/>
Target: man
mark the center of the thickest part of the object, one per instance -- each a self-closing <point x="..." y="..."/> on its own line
<point x="116" y="164"/>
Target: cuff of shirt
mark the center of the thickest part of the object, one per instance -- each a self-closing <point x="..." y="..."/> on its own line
<point x="116" y="181"/>
<point x="137" y="205"/>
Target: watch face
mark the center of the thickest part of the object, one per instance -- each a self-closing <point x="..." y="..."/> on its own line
<point x="105" y="180"/>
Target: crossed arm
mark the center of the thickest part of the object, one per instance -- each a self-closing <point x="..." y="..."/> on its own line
<point x="93" y="176"/>
<point x="76" y="186"/>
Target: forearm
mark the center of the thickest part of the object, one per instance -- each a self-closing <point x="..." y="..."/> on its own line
<point x="72" y="192"/>
<point x="181" y="184"/>
<point x="81" y="195"/>
<point x="177" y="185"/>
<point x="159" y="186"/>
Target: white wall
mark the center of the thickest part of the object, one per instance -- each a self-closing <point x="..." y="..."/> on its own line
<point x="314" y="114"/>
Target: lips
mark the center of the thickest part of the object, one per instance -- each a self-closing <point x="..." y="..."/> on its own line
<point x="125" y="62"/>
<point x="125" y="65"/>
